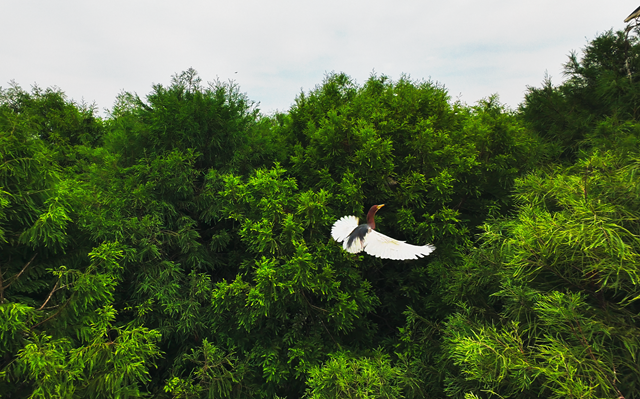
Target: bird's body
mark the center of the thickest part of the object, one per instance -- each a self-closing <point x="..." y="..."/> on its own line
<point x="363" y="237"/>
<point x="356" y="238"/>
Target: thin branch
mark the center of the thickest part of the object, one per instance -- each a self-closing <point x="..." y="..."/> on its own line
<point x="309" y="303"/>
<point x="14" y="278"/>
<point x="53" y="315"/>
<point x="321" y="322"/>
<point x="50" y="294"/>
<point x="595" y="360"/>
<point x="327" y="330"/>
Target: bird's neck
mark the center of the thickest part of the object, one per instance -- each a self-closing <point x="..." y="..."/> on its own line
<point x="371" y="221"/>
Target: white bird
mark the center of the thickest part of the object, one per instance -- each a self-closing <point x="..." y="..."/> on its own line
<point x="634" y="14"/>
<point x="357" y="238"/>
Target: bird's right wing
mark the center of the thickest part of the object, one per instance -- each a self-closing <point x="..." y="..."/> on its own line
<point x="343" y="227"/>
<point x="377" y="244"/>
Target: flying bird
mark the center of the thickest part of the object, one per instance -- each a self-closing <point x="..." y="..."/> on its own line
<point x="634" y="14"/>
<point x="357" y="238"/>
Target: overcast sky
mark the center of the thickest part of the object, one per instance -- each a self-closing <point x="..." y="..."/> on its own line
<point x="274" y="49"/>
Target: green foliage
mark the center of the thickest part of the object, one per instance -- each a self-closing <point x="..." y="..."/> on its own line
<point x="86" y="354"/>
<point x="404" y="143"/>
<point x="15" y="319"/>
<point x="55" y="120"/>
<point x="597" y="105"/>
<point x="290" y="299"/>
<point x="218" y="122"/>
<point x="441" y="168"/>
<point x="368" y="377"/>
<point x="560" y="276"/>
<point x="208" y="225"/>
<point x="106" y="367"/>
<point x="212" y="375"/>
<point x="181" y="247"/>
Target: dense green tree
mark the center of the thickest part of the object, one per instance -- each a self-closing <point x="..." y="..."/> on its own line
<point x="58" y="337"/>
<point x="549" y="299"/>
<point x="217" y="122"/>
<point x="563" y="318"/>
<point x="180" y="247"/>
<point x="218" y="254"/>
<point x="364" y="377"/>
<point x="440" y="167"/>
<point x="271" y="295"/>
<point x="600" y="93"/>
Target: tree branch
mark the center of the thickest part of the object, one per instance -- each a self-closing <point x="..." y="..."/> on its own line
<point x="50" y="294"/>
<point x="53" y="315"/>
<point x="13" y="279"/>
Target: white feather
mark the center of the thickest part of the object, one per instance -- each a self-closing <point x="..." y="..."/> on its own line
<point x="377" y="244"/>
<point x="357" y="245"/>
<point x="374" y="243"/>
<point x="343" y="227"/>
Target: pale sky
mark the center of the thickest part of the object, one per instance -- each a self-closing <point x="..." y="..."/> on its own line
<point x="93" y="50"/>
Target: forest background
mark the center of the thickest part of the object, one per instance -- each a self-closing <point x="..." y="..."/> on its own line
<point x="180" y="246"/>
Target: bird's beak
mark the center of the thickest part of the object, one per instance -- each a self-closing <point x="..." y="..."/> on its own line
<point x="380" y="206"/>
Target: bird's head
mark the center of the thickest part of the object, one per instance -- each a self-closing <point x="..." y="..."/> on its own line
<point x="370" y="216"/>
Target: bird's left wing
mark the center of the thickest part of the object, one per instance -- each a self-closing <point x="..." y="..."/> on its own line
<point x="343" y="227"/>
<point x="377" y="244"/>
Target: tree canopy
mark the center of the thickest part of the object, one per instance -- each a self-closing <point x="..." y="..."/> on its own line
<point x="180" y="246"/>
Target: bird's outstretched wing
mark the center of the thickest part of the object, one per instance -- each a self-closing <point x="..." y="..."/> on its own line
<point x="374" y="243"/>
<point x="377" y="244"/>
<point x="343" y="227"/>
<point x="344" y="231"/>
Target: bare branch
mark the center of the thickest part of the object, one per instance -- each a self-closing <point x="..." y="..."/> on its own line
<point x="50" y="294"/>
<point x="13" y="279"/>
<point x="53" y="315"/>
